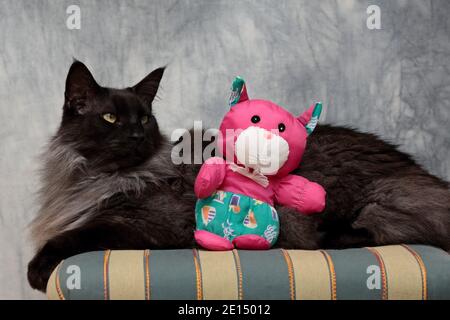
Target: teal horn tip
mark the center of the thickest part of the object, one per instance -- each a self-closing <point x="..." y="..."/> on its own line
<point x="237" y="88"/>
<point x="311" y="125"/>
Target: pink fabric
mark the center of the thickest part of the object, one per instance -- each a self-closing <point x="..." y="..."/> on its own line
<point x="216" y="174"/>
<point x="243" y="96"/>
<point x="212" y="241"/>
<point x="299" y="193"/>
<point x="251" y="242"/>
<point x="210" y="177"/>
<point x="306" y="116"/>
<point x="237" y="183"/>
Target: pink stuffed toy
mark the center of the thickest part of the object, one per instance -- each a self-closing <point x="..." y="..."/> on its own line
<point x="262" y="143"/>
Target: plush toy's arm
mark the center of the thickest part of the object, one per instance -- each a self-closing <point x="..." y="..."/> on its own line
<point x="300" y="194"/>
<point x="210" y="177"/>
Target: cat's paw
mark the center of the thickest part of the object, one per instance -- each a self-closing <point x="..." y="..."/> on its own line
<point x="39" y="270"/>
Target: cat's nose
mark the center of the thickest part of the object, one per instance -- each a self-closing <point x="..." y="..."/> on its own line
<point x="136" y="136"/>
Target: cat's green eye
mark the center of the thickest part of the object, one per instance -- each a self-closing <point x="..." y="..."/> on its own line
<point x="144" y="119"/>
<point x="110" y="117"/>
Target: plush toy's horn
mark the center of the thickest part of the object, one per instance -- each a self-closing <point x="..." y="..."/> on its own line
<point x="310" y="117"/>
<point x="238" y="91"/>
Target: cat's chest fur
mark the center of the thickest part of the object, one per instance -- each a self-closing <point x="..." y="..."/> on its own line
<point x="72" y="193"/>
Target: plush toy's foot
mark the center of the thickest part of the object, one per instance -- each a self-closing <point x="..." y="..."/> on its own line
<point x="251" y="242"/>
<point x="212" y="241"/>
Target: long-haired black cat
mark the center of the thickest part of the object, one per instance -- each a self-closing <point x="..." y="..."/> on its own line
<point x="108" y="182"/>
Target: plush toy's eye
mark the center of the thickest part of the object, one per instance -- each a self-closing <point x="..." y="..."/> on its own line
<point x="281" y="127"/>
<point x="256" y="119"/>
<point x="144" y="119"/>
<point x="110" y="117"/>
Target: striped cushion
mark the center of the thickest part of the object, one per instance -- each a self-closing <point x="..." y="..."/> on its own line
<point x="389" y="272"/>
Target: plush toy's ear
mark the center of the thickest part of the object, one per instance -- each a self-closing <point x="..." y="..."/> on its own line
<point x="310" y="117"/>
<point x="238" y="91"/>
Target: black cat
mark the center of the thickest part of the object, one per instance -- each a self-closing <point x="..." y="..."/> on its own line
<point x="109" y="182"/>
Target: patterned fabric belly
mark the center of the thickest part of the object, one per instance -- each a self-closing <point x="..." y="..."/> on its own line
<point x="229" y="215"/>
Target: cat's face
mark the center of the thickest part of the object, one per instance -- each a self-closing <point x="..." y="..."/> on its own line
<point x="111" y="128"/>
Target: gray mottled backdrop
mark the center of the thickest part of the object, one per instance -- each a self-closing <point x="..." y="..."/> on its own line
<point x="394" y="81"/>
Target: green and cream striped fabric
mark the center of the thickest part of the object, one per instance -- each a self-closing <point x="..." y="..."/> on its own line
<point x="388" y="272"/>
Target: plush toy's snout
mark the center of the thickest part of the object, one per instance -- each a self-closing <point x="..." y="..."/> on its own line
<point x="261" y="150"/>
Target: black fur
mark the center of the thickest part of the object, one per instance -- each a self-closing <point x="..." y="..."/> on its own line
<point x="376" y="195"/>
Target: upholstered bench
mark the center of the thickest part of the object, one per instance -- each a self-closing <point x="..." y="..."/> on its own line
<point x="389" y="272"/>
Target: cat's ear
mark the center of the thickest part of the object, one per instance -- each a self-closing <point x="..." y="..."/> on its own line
<point x="80" y="85"/>
<point x="148" y="87"/>
<point x="310" y="117"/>
<point x="238" y="91"/>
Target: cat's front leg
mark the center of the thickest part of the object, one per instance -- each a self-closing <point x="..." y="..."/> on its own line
<point x="98" y="235"/>
<point x="42" y="265"/>
<point x="54" y="251"/>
